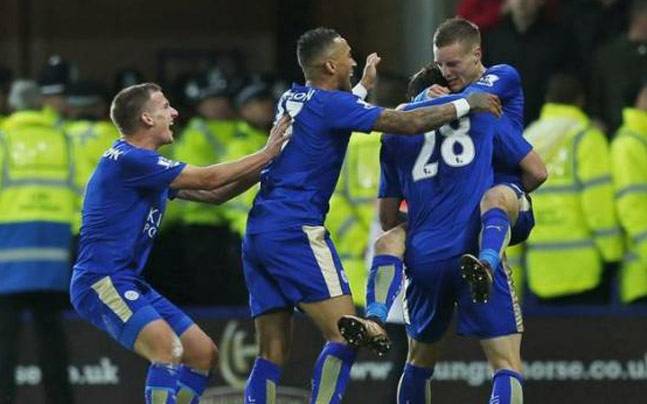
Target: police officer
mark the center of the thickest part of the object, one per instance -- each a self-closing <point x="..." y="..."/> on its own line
<point x="36" y="210"/>
<point x="629" y="162"/>
<point x="210" y="247"/>
<point x="576" y="229"/>
<point x="90" y="133"/>
<point x="54" y="78"/>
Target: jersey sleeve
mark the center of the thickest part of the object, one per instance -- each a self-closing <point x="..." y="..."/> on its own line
<point x="503" y="81"/>
<point x="149" y="170"/>
<point x="510" y="146"/>
<point x="390" y="186"/>
<point x="347" y="112"/>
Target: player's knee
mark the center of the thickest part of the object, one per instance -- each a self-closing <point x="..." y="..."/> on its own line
<point x="500" y="197"/>
<point x="210" y="356"/>
<point x="166" y="350"/>
<point x="275" y="350"/>
<point x="509" y="363"/>
<point x="391" y="243"/>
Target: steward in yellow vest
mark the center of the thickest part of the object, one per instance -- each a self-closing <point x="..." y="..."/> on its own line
<point x="255" y="106"/>
<point x="629" y="162"/>
<point x="91" y="135"/>
<point x="211" y="249"/>
<point x="36" y="211"/>
<point x="576" y="229"/>
<point x="352" y="209"/>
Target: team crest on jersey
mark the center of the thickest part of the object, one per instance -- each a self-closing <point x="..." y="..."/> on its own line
<point x="488" y="80"/>
<point x="131" y="295"/>
<point x="164" y="162"/>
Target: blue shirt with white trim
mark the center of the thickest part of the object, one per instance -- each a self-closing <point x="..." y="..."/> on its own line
<point x="123" y="207"/>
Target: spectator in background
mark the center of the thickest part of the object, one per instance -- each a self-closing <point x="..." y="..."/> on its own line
<point x="36" y="210"/>
<point x="90" y="133"/>
<point x="618" y="68"/>
<point x="54" y="78"/>
<point x="593" y="23"/>
<point x="255" y="106"/>
<point x="629" y="163"/>
<point x="536" y="46"/>
<point x="576" y="230"/>
<point x="486" y="14"/>
<point x="206" y="139"/>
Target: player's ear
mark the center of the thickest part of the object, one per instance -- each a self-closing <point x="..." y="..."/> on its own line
<point x="477" y="54"/>
<point x="329" y="66"/>
<point x="147" y="119"/>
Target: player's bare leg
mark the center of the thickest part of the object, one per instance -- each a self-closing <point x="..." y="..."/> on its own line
<point x="504" y="356"/>
<point x="200" y="356"/>
<point x="370" y="331"/>
<point x="414" y="386"/>
<point x="274" y="337"/>
<point x="499" y="211"/>
<point x="332" y="369"/>
<point x="158" y="343"/>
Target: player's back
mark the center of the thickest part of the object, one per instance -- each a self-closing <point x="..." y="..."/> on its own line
<point x="297" y="185"/>
<point x="442" y="175"/>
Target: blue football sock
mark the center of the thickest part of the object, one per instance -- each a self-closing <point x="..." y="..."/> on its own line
<point x="262" y="382"/>
<point x="384" y="283"/>
<point x="161" y="383"/>
<point x="506" y="387"/>
<point x="332" y="371"/>
<point x="415" y="385"/>
<point x="495" y="236"/>
<point x="190" y="385"/>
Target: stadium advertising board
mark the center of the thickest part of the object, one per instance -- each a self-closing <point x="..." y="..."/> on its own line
<point x="575" y="360"/>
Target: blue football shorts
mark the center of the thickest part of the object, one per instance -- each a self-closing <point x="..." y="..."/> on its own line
<point x="434" y="289"/>
<point x="526" y="220"/>
<point x="122" y="305"/>
<point x="287" y="267"/>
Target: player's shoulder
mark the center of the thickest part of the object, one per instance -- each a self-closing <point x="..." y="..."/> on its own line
<point x="500" y="72"/>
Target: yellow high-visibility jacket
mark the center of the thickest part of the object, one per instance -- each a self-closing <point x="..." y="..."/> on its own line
<point x="90" y="139"/>
<point x="202" y="143"/>
<point x="352" y="209"/>
<point x="247" y="140"/>
<point x="629" y="162"/>
<point x="37" y="201"/>
<point x="576" y="227"/>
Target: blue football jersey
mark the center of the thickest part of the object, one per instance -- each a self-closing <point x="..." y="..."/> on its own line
<point x="442" y="174"/>
<point x="297" y="185"/>
<point x="510" y="147"/>
<point x="123" y="207"/>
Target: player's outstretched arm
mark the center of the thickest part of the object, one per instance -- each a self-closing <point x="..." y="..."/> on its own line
<point x="218" y="175"/>
<point x="533" y="171"/>
<point x="429" y="118"/>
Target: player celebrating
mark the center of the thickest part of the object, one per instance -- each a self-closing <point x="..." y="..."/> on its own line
<point x="122" y="211"/>
<point x="442" y="174"/>
<point x="288" y="257"/>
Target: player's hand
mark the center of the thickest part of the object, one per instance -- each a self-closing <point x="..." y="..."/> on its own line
<point x="485" y="102"/>
<point x="436" y="90"/>
<point x="279" y="134"/>
<point x="370" y="71"/>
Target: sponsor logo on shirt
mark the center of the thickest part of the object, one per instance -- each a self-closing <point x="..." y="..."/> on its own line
<point x="112" y="154"/>
<point x="488" y="80"/>
<point x="152" y="222"/>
